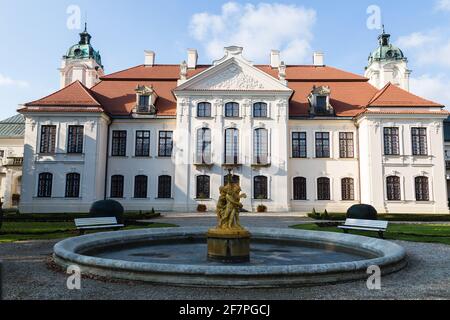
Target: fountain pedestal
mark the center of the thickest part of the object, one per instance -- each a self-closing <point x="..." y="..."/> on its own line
<point x="229" y="245"/>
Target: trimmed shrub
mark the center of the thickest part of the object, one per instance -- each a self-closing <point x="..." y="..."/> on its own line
<point x="1" y="215"/>
<point x="325" y="215"/>
<point x="261" y="208"/>
<point x="362" y="211"/>
<point x="107" y="208"/>
<point x="201" y="208"/>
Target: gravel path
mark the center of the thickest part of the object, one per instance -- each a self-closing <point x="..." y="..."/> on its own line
<point x="27" y="276"/>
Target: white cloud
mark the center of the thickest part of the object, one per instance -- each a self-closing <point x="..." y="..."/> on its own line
<point x="417" y="39"/>
<point x="442" y="5"/>
<point x="432" y="87"/>
<point x="7" y="81"/>
<point x="258" y="28"/>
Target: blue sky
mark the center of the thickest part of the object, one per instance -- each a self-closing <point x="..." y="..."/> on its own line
<point x="35" y="36"/>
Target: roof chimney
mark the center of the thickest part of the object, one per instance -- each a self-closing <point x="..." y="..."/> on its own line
<point x="318" y="59"/>
<point x="275" y="59"/>
<point x="192" y="58"/>
<point x="149" y="58"/>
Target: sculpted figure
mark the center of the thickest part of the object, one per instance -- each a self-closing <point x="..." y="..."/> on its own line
<point x="229" y="206"/>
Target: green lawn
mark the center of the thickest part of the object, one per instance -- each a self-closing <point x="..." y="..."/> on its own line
<point x="389" y="217"/>
<point x="17" y="231"/>
<point x="433" y="233"/>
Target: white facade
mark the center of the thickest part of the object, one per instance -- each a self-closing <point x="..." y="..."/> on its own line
<point x="10" y="171"/>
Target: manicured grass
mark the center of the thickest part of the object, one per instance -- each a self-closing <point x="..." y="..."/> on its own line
<point x="69" y="217"/>
<point x="392" y="217"/>
<point x="17" y="231"/>
<point x="433" y="233"/>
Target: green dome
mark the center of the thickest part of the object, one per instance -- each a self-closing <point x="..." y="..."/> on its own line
<point x="84" y="49"/>
<point x="386" y="50"/>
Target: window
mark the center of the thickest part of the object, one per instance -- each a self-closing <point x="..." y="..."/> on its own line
<point x="321" y="104"/>
<point x="391" y="142"/>
<point x="142" y="147"/>
<point x="144" y="101"/>
<point x="232" y="110"/>
<point x="2" y="153"/>
<point x="140" y="187"/>
<point x="231" y="146"/>
<point x="260" y="187"/>
<point x="72" y="185"/>
<point x="164" y="187"/>
<point x="203" y="187"/>
<point x="165" y="143"/>
<point x="422" y="190"/>
<point x="346" y="145"/>
<point x="48" y="139"/>
<point x="204" y="110"/>
<point x="323" y="189"/>
<point x="322" y="145"/>
<point x="393" y="188"/>
<point x="204" y="146"/>
<point x="117" y="186"/>
<point x="45" y="185"/>
<point x="419" y="141"/>
<point x="261" y="147"/>
<point x="299" y="188"/>
<point x="119" y="144"/>
<point x="260" y="110"/>
<point x="75" y="139"/>
<point x="299" y="147"/>
<point x="348" y="189"/>
<point x="234" y="179"/>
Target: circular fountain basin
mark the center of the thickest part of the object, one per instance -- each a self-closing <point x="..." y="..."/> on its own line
<point x="279" y="257"/>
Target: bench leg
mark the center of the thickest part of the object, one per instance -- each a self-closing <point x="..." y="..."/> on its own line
<point x="381" y="234"/>
<point x="345" y="230"/>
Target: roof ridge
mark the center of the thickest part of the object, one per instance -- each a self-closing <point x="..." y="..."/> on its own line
<point x="379" y="93"/>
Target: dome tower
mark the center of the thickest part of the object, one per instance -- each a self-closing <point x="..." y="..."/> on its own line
<point x="387" y="64"/>
<point x="82" y="62"/>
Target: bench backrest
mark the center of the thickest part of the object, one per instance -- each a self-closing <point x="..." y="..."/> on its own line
<point x="95" y="221"/>
<point x="379" y="224"/>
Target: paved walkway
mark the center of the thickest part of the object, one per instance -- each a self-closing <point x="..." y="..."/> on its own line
<point x="26" y="275"/>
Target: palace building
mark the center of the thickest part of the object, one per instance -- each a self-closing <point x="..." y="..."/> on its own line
<point x="296" y="137"/>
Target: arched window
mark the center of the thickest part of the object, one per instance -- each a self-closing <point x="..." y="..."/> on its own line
<point x="323" y="189"/>
<point x="203" y="187"/>
<point x="348" y="189"/>
<point x="260" y="187"/>
<point x="164" y="187"/>
<point x="393" y="188"/>
<point x="72" y="185"/>
<point x="261" y="147"/>
<point x="234" y="179"/>
<point x="203" y="146"/>
<point x="45" y="185"/>
<point x="422" y="189"/>
<point x="232" y="110"/>
<point x="140" y="187"/>
<point x="231" y="146"/>
<point x="300" y="188"/>
<point x="260" y="110"/>
<point x="204" y="110"/>
<point x="117" y="186"/>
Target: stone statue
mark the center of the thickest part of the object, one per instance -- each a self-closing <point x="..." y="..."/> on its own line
<point x="229" y="206"/>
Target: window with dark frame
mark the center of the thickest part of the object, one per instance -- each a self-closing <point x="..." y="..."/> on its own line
<point x="323" y="189"/>
<point x="48" y="139"/>
<point x="321" y="104"/>
<point x="235" y="179"/>
<point x="260" y="110"/>
<point x="422" y="189"/>
<point x="142" y="147"/>
<point x="231" y="146"/>
<point x="144" y="100"/>
<point x="119" y="143"/>
<point x="165" y="146"/>
<point x="117" y="186"/>
<point x="419" y="141"/>
<point x="346" y="145"/>
<point x="300" y="188"/>
<point x="260" y="188"/>
<point x="75" y="139"/>
<point x="393" y="188"/>
<point x="322" y="144"/>
<point x="45" y="185"/>
<point x="164" y="187"/>
<point x="391" y="142"/>
<point x="348" y="189"/>
<point x="203" y="187"/>
<point x="299" y="145"/>
<point x="140" y="187"/>
<point x="232" y="110"/>
<point x="261" y="147"/>
<point x="204" y="110"/>
<point x="204" y="146"/>
<point x="73" y="185"/>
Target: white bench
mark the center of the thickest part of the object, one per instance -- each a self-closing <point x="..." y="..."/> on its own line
<point x="365" y="225"/>
<point x="97" y="223"/>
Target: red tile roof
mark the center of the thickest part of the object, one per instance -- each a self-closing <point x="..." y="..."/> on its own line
<point x="393" y="96"/>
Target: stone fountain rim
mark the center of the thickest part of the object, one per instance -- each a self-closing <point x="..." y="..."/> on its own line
<point x="390" y="255"/>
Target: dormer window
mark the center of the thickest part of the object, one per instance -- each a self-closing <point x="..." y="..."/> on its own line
<point x="319" y="100"/>
<point x="145" y="100"/>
